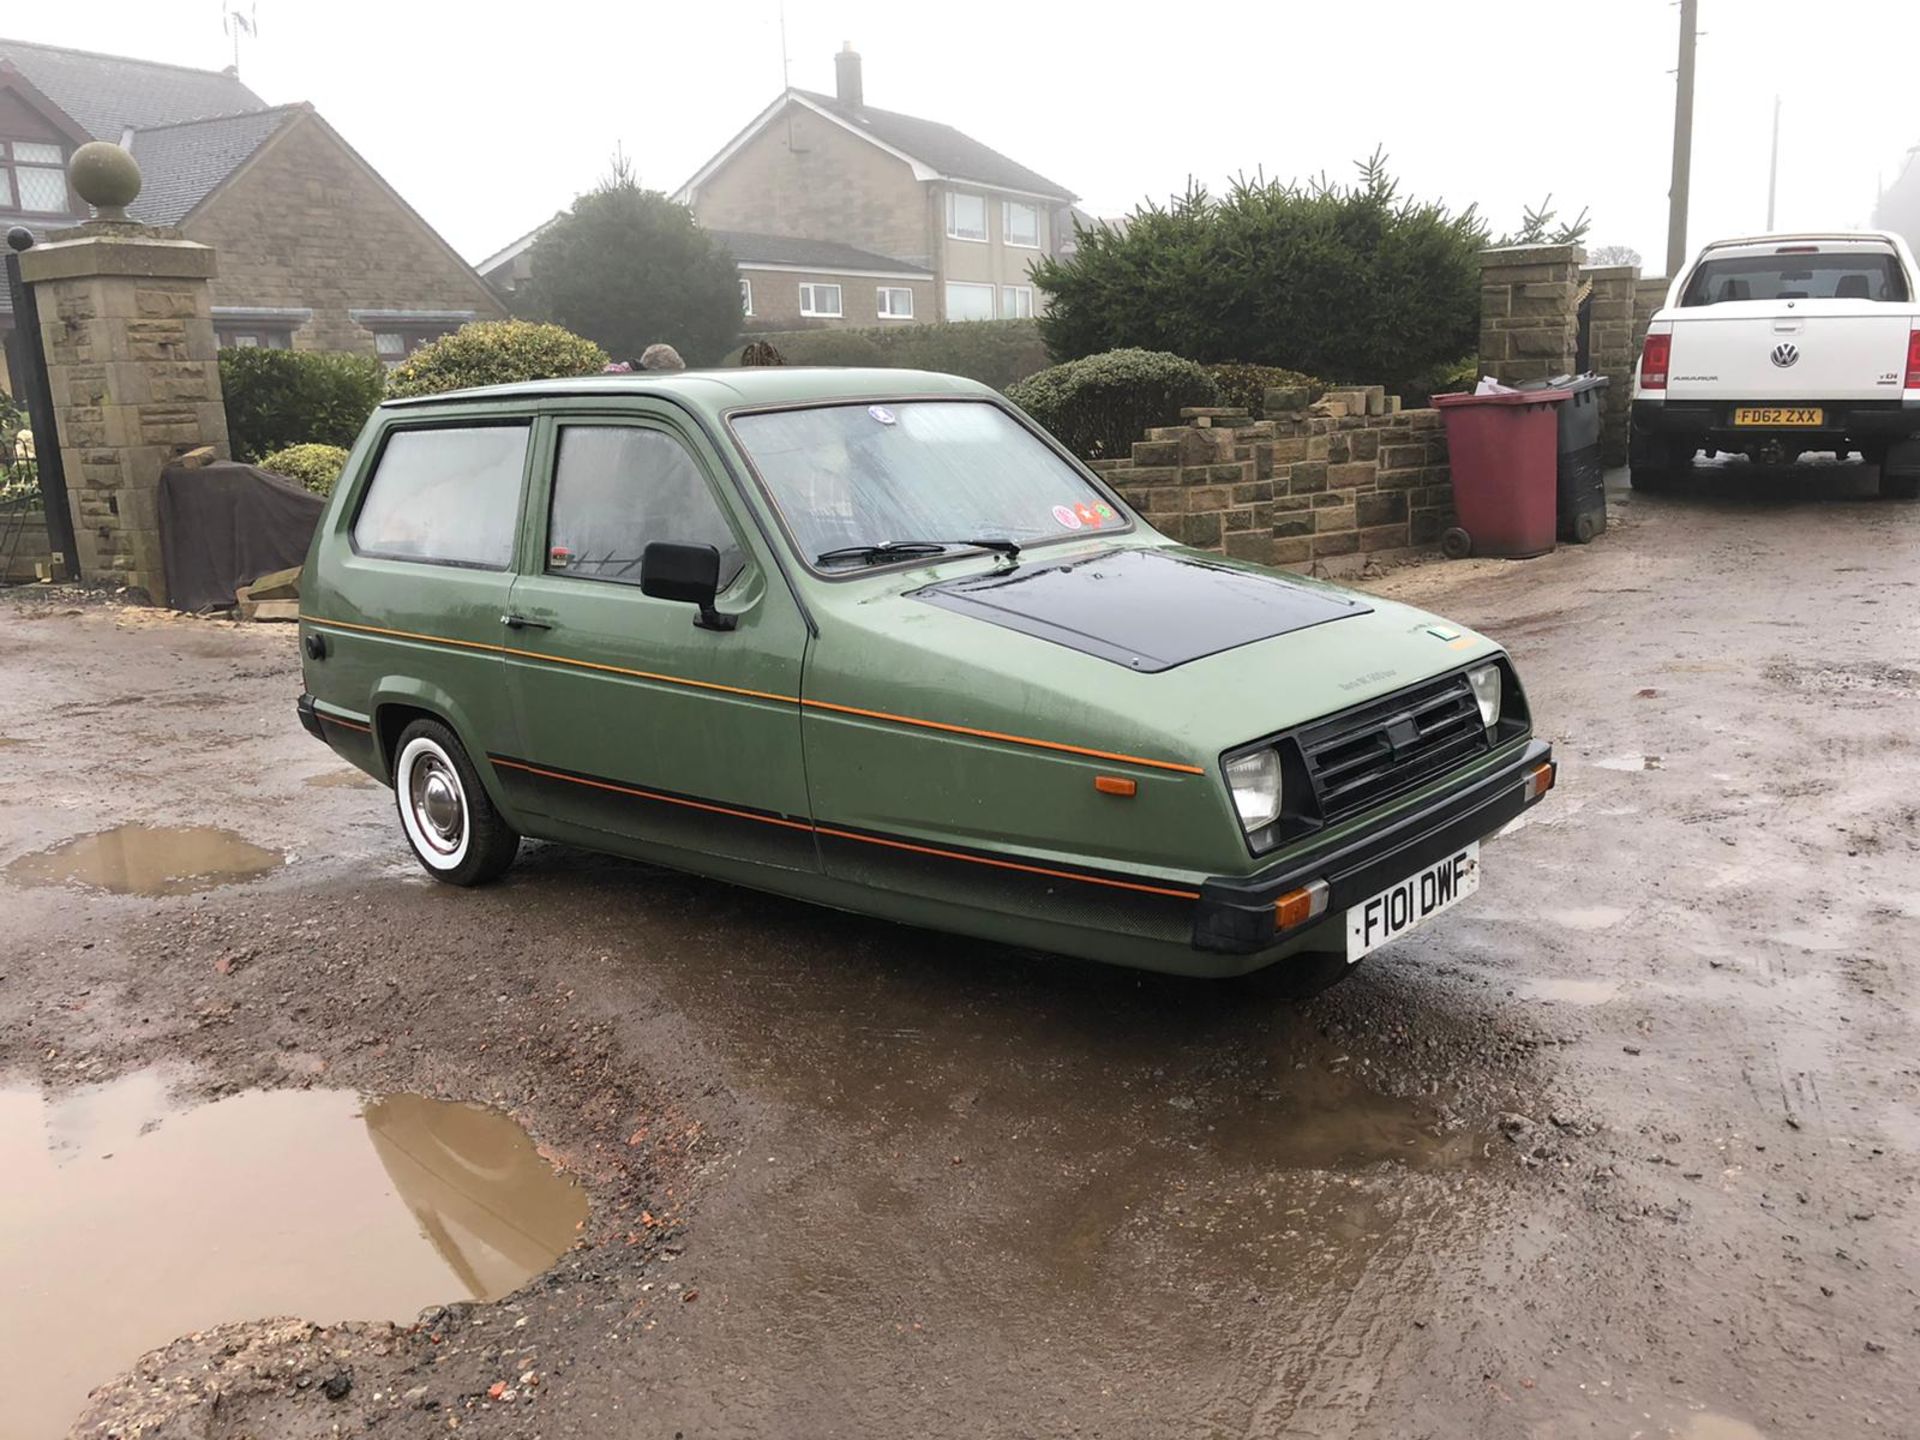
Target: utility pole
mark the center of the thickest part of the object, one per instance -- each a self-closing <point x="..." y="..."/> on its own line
<point x="1773" y="168"/>
<point x="1682" y="140"/>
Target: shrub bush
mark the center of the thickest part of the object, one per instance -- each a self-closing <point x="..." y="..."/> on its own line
<point x="1097" y="407"/>
<point x="994" y="352"/>
<point x="277" y="398"/>
<point x="1461" y="374"/>
<point x="1245" y="386"/>
<point x="1350" y="282"/>
<point x="495" y="352"/>
<point x="314" y="466"/>
<point x="19" y="477"/>
<point x="629" y="268"/>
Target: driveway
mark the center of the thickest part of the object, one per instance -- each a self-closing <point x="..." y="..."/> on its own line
<point x="1626" y="1146"/>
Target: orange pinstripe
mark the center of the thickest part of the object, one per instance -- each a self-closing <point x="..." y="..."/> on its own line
<point x="1000" y="736"/>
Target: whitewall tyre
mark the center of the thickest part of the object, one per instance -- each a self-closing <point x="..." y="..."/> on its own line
<point x="444" y="810"/>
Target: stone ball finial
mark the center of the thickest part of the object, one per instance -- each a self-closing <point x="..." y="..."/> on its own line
<point x="19" y="237"/>
<point x="106" y="177"/>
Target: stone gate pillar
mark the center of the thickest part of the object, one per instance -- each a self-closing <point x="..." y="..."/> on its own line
<point x="1612" y="351"/>
<point x="1529" y="318"/>
<point x="128" y="325"/>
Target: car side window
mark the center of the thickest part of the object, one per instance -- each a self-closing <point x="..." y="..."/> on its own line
<point x="619" y="488"/>
<point x="445" y="496"/>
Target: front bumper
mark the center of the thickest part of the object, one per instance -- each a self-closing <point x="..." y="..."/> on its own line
<point x="1239" y="916"/>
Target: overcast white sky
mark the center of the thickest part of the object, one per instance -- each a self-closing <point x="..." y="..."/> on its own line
<point x="490" y="116"/>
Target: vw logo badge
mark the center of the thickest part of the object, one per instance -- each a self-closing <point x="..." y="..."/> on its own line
<point x="1785" y="354"/>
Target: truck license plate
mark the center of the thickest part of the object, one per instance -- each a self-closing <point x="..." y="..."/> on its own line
<point x="1421" y="896"/>
<point x="1804" y="417"/>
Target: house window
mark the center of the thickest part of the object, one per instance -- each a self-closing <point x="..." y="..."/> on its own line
<point x="33" y="177"/>
<point x="395" y="345"/>
<point x="966" y="216"/>
<point x="896" y="304"/>
<point x="746" y="296"/>
<point x="1016" y="302"/>
<point x="969" y="302"/>
<point x="1021" y="224"/>
<point x="253" y="337"/>
<point x="822" y="301"/>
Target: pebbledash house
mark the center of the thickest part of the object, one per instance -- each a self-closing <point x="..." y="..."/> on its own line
<point x="316" y="251"/>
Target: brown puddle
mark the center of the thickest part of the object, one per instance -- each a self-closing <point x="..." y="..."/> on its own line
<point x="1330" y="1120"/>
<point x="147" y="860"/>
<point x="126" y="1220"/>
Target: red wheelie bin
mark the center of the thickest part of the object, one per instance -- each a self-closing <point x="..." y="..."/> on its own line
<point x="1504" y="453"/>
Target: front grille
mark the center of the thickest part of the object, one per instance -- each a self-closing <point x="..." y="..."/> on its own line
<point x="1373" y="753"/>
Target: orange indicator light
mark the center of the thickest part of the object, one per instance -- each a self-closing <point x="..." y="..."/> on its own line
<point x="1115" y="785"/>
<point x="1296" y="907"/>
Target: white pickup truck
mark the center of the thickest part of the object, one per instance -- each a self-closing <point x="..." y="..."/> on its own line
<point x="1783" y="345"/>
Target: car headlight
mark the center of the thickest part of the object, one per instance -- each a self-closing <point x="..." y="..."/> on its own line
<point x="1254" y="779"/>
<point x="1487" y="689"/>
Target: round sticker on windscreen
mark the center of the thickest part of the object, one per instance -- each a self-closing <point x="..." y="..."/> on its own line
<point x="881" y="413"/>
<point x="1064" y="514"/>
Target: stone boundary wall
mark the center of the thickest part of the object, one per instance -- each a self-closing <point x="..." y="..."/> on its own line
<point x="1323" y="487"/>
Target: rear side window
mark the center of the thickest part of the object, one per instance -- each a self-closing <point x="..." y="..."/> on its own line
<point x="619" y="488"/>
<point x="446" y="497"/>
<point x="1859" y="275"/>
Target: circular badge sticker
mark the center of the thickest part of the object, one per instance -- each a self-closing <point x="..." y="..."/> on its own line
<point x="881" y="413"/>
<point x="1064" y="514"/>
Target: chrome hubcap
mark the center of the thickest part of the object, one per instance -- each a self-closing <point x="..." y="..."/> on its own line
<point x="434" y="793"/>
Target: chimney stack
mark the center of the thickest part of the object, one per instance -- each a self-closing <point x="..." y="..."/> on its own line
<point x="846" y="66"/>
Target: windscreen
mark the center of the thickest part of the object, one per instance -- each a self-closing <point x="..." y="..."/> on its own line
<point x="1837" y="275"/>
<point x="937" y="470"/>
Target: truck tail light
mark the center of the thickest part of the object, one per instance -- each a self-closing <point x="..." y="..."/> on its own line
<point x="1653" y="362"/>
<point x="1913" y="359"/>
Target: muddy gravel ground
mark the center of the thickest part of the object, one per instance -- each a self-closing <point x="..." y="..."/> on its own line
<point x="1626" y="1146"/>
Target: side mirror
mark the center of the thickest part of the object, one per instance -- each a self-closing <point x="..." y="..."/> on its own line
<point x="689" y="573"/>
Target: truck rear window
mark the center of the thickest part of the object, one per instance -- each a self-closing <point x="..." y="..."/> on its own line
<point x="1860" y="275"/>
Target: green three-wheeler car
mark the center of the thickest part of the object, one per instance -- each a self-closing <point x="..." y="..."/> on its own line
<point x="871" y="638"/>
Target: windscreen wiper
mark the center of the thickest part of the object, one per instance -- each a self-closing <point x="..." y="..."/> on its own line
<point x="904" y="549"/>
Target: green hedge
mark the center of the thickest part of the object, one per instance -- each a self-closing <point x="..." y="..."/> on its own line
<point x="994" y="352"/>
<point x="1097" y="407"/>
<point x="316" y="467"/>
<point x="1355" y="282"/>
<point x="1245" y="386"/>
<point x="277" y="398"/>
<point x="495" y="352"/>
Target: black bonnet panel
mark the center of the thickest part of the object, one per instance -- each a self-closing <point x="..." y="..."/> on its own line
<point x="1144" y="609"/>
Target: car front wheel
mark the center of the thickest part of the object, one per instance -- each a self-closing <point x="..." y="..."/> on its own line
<point x="444" y="810"/>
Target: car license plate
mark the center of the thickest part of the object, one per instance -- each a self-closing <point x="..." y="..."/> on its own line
<point x="1805" y="417"/>
<point x="1421" y="896"/>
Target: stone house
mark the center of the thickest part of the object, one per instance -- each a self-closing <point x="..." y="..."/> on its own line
<point x="316" y="251"/>
<point x="820" y="168"/>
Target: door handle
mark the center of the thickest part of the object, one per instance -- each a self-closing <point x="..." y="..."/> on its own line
<point x="524" y="622"/>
